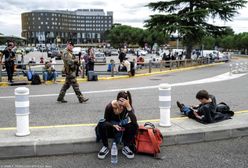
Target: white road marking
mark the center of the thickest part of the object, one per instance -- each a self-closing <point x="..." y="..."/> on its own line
<point x="218" y="78"/>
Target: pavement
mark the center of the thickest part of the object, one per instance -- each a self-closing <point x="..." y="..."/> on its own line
<point x="73" y="138"/>
<point x="80" y="138"/>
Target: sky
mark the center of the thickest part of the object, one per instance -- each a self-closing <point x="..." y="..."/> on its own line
<point x="126" y="12"/>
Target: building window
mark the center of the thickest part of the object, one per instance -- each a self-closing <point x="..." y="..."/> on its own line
<point x="41" y="23"/>
<point x="38" y="18"/>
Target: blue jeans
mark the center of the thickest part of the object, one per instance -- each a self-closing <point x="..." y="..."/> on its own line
<point x="50" y="76"/>
<point x="186" y="110"/>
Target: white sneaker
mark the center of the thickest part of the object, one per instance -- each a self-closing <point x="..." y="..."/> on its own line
<point x="127" y="152"/>
<point x="103" y="152"/>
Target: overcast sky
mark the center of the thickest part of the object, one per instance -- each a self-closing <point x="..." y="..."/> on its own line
<point x="126" y="12"/>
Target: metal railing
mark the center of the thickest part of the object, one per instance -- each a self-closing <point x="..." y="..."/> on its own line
<point x="162" y="65"/>
<point x="238" y="67"/>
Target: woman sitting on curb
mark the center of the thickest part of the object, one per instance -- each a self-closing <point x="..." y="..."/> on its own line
<point x="119" y="123"/>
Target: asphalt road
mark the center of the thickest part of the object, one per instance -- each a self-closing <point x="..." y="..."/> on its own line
<point x="230" y="153"/>
<point x="46" y="111"/>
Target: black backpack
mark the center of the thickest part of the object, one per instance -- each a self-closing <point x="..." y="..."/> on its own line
<point x="224" y="108"/>
<point x="97" y="132"/>
<point x="36" y="79"/>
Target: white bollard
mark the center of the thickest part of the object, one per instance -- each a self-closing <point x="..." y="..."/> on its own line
<point x="22" y="111"/>
<point x="165" y="104"/>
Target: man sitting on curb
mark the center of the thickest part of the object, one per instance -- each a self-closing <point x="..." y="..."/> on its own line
<point x="207" y="111"/>
<point x="49" y="73"/>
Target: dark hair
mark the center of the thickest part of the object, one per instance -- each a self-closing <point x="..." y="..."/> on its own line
<point x="88" y="51"/>
<point x="70" y="42"/>
<point x="202" y="94"/>
<point x="10" y="43"/>
<point x="125" y="95"/>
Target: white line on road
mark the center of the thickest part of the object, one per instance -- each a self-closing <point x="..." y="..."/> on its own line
<point x="218" y="78"/>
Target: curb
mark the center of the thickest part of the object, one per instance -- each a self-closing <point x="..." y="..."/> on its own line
<point x="81" y="80"/>
<point x="60" y="141"/>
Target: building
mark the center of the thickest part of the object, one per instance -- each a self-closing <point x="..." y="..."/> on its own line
<point x="57" y="26"/>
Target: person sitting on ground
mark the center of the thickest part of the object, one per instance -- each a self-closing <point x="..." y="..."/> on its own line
<point x="206" y="111"/>
<point x="119" y="123"/>
<point x="49" y="73"/>
<point x="140" y="62"/>
<point x="110" y="65"/>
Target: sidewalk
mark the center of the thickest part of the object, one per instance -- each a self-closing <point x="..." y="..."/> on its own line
<point x="80" y="138"/>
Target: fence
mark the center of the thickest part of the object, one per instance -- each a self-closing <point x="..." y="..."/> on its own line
<point x="162" y="65"/>
<point x="238" y="67"/>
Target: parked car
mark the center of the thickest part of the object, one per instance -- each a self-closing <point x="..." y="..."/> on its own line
<point x="53" y="52"/>
<point x="114" y="52"/>
<point x="76" y="50"/>
<point x="223" y="57"/>
<point x="100" y="57"/>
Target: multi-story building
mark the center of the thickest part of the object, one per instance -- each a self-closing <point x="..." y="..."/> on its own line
<point x="57" y="26"/>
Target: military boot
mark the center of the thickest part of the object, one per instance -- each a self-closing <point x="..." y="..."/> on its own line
<point x="82" y="99"/>
<point x="61" y="98"/>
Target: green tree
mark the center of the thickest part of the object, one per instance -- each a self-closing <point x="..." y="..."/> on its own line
<point x="153" y="36"/>
<point x="190" y="18"/>
<point x="122" y="34"/>
<point x="208" y="42"/>
<point x="227" y="42"/>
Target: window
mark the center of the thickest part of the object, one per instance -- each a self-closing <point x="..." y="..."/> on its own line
<point x="41" y="23"/>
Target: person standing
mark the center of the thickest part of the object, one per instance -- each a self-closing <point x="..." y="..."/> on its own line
<point x="91" y="59"/>
<point x="70" y="67"/>
<point x="9" y="60"/>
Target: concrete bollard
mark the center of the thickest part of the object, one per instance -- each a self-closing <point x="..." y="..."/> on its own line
<point x="22" y="111"/>
<point x="164" y="104"/>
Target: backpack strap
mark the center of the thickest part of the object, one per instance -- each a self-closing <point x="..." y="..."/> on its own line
<point x="154" y="141"/>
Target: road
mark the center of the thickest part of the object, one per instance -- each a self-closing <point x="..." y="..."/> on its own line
<point x="230" y="153"/>
<point x="44" y="110"/>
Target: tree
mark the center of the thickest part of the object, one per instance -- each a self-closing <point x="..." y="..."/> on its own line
<point x="189" y="18"/>
<point x="119" y="35"/>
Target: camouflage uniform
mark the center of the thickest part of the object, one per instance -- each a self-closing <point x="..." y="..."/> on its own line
<point x="70" y="67"/>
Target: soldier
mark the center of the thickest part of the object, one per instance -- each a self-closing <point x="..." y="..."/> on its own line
<point x="70" y="67"/>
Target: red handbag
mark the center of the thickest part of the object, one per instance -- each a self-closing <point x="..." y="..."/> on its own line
<point x="148" y="139"/>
